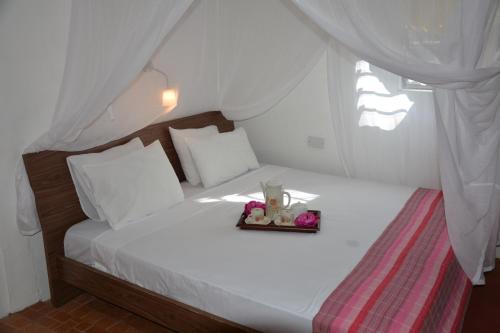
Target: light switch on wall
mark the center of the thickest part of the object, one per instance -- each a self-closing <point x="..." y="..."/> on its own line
<point x="316" y="142"/>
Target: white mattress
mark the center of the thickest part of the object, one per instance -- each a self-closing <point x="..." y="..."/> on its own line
<point x="273" y="282"/>
<point x="78" y="238"/>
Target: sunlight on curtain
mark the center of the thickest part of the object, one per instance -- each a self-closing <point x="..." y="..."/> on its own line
<point x="377" y="127"/>
<point x="378" y="107"/>
<point x="427" y="21"/>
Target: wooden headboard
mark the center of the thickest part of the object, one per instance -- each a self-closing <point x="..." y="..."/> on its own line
<point x="57" y="203"/>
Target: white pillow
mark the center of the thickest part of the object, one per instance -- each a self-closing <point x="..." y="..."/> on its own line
<point x="82" y="184"/>
<point x="179" y="138"/>
<point x="135" y="185"/>
<point x="223" y="156"/>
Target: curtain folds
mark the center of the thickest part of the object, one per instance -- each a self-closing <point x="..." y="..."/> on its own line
<point x="109" y="44"/>
<point x="265" y="48"/>
<point x="442" y="49"/>
<point x="445" y="44"/>
<point x="378" y="126"/>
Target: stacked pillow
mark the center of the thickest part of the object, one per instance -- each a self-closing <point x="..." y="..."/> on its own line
<point x="82" y="184"/>
<point x="126" y="183"/>
<point x="180" y="138"/>
<point x="213" y="158"/>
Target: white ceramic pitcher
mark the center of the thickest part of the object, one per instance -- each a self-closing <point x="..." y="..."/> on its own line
<point x="273" y="193"/>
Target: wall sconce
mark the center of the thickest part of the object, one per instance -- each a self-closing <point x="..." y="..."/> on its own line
<point x="169" y="98"/>
<point x="169" y="95"/>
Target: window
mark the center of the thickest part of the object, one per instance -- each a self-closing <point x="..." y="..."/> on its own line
<point x="377" y="105"/>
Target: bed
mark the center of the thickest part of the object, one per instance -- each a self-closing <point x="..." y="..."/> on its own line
<point x="189" y="268"/>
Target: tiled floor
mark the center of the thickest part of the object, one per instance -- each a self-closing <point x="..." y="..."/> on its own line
<point x="83" y="314"/>
<point x="483" y="313"/>
<point x="88" y="314"/>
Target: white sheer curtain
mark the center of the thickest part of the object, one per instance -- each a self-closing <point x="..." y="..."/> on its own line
<point x="446" y="44"/>
<point x="109" y="44"/>
<point x="379" y="126"/>
<point x="239" y="56"/>
<point x="265" y="49"/>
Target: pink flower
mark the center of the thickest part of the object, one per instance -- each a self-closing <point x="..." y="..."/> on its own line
<point x="307" y="220"/>
<point x="253" y="204"/>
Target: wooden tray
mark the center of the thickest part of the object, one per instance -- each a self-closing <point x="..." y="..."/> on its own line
<point x="273" y="227"/>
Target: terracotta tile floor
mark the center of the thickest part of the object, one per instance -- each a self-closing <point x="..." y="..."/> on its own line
<point x="483" y="313"/>
<point x="83" y="314"/>
<point x="88" y="314"/>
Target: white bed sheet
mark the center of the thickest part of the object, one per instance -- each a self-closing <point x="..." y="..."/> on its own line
<point x="78" y="238"/>
<point x="273" y="282"/>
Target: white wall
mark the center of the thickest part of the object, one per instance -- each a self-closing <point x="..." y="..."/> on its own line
<point x="32" y="51"/>
<point x="280" y="135"/>
<point x="4" y="291"/>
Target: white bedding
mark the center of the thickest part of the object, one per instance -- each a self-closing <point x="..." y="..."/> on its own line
<point x="273" y="282"/>
<point x="79" y="238"/>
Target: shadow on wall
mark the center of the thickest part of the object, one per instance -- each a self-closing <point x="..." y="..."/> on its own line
<point x="377" y="105"/>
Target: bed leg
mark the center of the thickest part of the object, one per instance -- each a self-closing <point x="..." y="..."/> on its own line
<point x="62" y="292"/>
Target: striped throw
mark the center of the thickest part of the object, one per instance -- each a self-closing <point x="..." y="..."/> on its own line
<point x="408" y="281"/>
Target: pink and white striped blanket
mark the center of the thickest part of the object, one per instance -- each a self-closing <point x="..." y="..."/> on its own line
<point x="409" y="280"/>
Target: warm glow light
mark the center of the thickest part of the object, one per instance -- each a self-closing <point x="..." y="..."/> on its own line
<point x="169" y="98"/>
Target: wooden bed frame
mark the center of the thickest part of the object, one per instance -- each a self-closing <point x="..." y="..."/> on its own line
<point x="58" y="209"/>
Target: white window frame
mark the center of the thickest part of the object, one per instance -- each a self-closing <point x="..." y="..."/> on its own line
<point x="409" y="84"/>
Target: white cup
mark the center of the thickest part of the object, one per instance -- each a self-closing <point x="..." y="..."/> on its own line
<point x="298" y="208"/>
<point x="285" y="217"/>
<point x="257" y="214"/>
